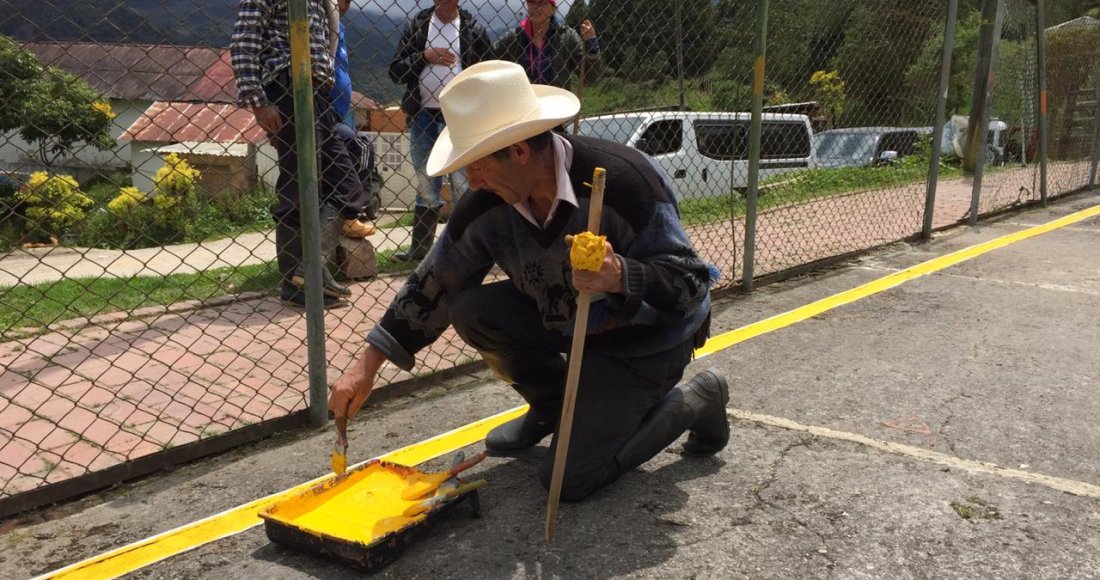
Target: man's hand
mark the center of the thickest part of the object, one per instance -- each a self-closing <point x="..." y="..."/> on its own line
<point x="588" y="32"/>
<point x="609" y="279"/>
<point x="440" y="56"/>
<point x="269" y="118"/>
<point x="352" y="389"/>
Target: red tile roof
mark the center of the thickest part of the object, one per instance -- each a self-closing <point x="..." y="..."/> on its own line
<point x="144" y="71"/>
<point x="174" y="122"/>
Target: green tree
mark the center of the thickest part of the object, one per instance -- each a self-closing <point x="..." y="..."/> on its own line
<point x="829" y="93"/>
<point x="61" y="112"/>
<point x="578" y="13"/>
<point x="18" y="72"/>
<point x="924" y="72"/>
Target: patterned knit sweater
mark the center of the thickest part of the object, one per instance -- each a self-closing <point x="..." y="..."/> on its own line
<point x="665" y="296"/>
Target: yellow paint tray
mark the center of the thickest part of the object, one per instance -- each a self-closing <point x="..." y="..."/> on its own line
<point x="357" y="517"/>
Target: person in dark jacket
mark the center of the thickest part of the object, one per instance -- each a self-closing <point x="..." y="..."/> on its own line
<point x="547" y="50"/>
<point x="260" y="56"/>
<point x="528" y="196"/>
<point x="436" y="45"/>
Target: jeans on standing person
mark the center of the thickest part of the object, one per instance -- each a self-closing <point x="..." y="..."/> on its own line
<point x="426" y="126"/>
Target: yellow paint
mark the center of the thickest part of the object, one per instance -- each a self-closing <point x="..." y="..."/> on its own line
<point x="724" y="341"/>
<point x="360" y="508"/>
<point x="588" y="251"/>
<point x="236" y="520"/>
<point x="339" y="462"/>
<point x="758" y="76"/>
<point x="154" y="549"/>
<point x="421" y="485"/>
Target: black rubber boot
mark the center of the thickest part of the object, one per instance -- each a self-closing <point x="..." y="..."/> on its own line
<point x="288" y="252"/>
<point x="330" y="237"/>
<point x="425" y="219"/>
<point x="698" y="405"/>
<point x="519" y="434"/>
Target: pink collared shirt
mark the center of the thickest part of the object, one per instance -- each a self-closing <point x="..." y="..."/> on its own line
<point x="563" y="160"/>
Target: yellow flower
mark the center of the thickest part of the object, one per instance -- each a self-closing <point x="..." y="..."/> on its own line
<point x="127" y="199"/>
<point x="104" y="107"/>
<point x="588" y="251"/>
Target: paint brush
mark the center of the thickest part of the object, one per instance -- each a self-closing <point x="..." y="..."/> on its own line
<point x="419" y="508"/>
<point x="421" y="484"/>
<point x="340" y="450"/>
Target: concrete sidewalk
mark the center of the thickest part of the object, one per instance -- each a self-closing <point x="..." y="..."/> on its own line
<point x="42" y="265"/>
<point x="933" y="430"/>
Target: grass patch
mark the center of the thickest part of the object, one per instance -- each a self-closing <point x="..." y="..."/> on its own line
<point x="802" y="186"/>
<point x="44" y="304"/>
<point x="405" y="221"/>
<point x="47" y="303"/>
<point x="386" y="264"/>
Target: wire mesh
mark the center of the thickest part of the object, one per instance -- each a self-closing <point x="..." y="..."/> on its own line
<point x="143" y="303"/>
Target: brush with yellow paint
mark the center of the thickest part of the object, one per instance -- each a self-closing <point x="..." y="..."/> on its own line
<point x="443" y="497"/>
<point x="421" y="484"/>
<point x="340" y="451"/>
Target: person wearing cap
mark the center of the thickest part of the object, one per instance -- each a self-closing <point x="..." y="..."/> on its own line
<point x="547" y="50"/>
<point x="436" y="45"/>
<point x="260" y="57"/>
<point x="528" y="195"/>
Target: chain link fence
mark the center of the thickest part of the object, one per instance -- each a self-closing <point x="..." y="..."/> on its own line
<point x="144" y="315"/>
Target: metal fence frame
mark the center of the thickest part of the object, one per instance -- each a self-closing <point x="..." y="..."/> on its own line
<point x="456" y="361"/>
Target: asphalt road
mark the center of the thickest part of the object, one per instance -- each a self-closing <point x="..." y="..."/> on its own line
<point x="944" y="428"/>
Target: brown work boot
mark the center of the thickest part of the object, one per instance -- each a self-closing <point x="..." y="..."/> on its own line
<point x="353" y="228"/>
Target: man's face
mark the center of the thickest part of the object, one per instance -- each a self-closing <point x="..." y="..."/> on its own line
<point x="447" y="6"/>
<point x="343" y="5"/>
<point x="500" y="175"/>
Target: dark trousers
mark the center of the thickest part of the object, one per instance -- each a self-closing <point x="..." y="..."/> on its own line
<point x="613" y="395"/>
<point x="339" y="185"/>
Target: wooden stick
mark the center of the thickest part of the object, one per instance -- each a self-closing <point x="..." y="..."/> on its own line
<point x="580" y="329"/>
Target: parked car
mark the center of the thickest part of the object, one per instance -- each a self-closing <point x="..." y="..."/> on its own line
<point x="864" y="146"/>
<point x="707" y="153"/>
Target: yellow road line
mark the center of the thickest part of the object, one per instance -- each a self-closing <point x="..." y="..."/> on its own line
<point x="190" y="536"/>
<point x="724" y="341"/>
<point x="156" y="548"/>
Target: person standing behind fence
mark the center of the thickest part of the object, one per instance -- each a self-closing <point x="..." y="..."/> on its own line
<point x="260" y="56"/>
<point x="435" y="46"/>
<point x="549" y="51"/>
<point x="341" y="90"/>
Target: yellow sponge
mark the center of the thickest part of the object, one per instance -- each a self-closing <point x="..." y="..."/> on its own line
<point x="588" y="251"/>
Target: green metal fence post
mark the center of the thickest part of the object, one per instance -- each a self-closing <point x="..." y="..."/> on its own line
<point x="306" y="142"/>
<point x="941" y="117"/>
<point x="760" y="44"/>
<point x="1095" y="130"/>
<point x="992" y="20"/>
<point x="1041" y="70"/>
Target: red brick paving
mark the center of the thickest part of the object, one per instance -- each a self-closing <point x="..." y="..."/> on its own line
<point x="79" y="400"/>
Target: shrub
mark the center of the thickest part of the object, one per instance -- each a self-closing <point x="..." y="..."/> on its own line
<point x="174" y="192"/>
<point x="53" y="203"/>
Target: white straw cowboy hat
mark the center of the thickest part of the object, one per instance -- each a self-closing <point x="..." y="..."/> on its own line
<point x="490" y="106"/>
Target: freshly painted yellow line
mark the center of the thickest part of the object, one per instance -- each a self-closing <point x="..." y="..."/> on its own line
<point x="156" y="548"/>
<point x="724" y="341"/>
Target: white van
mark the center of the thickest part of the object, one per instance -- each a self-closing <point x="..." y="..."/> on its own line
<point x="707" y="154"/>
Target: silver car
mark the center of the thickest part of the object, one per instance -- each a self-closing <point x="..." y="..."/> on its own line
<point x="863" y="146"/>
